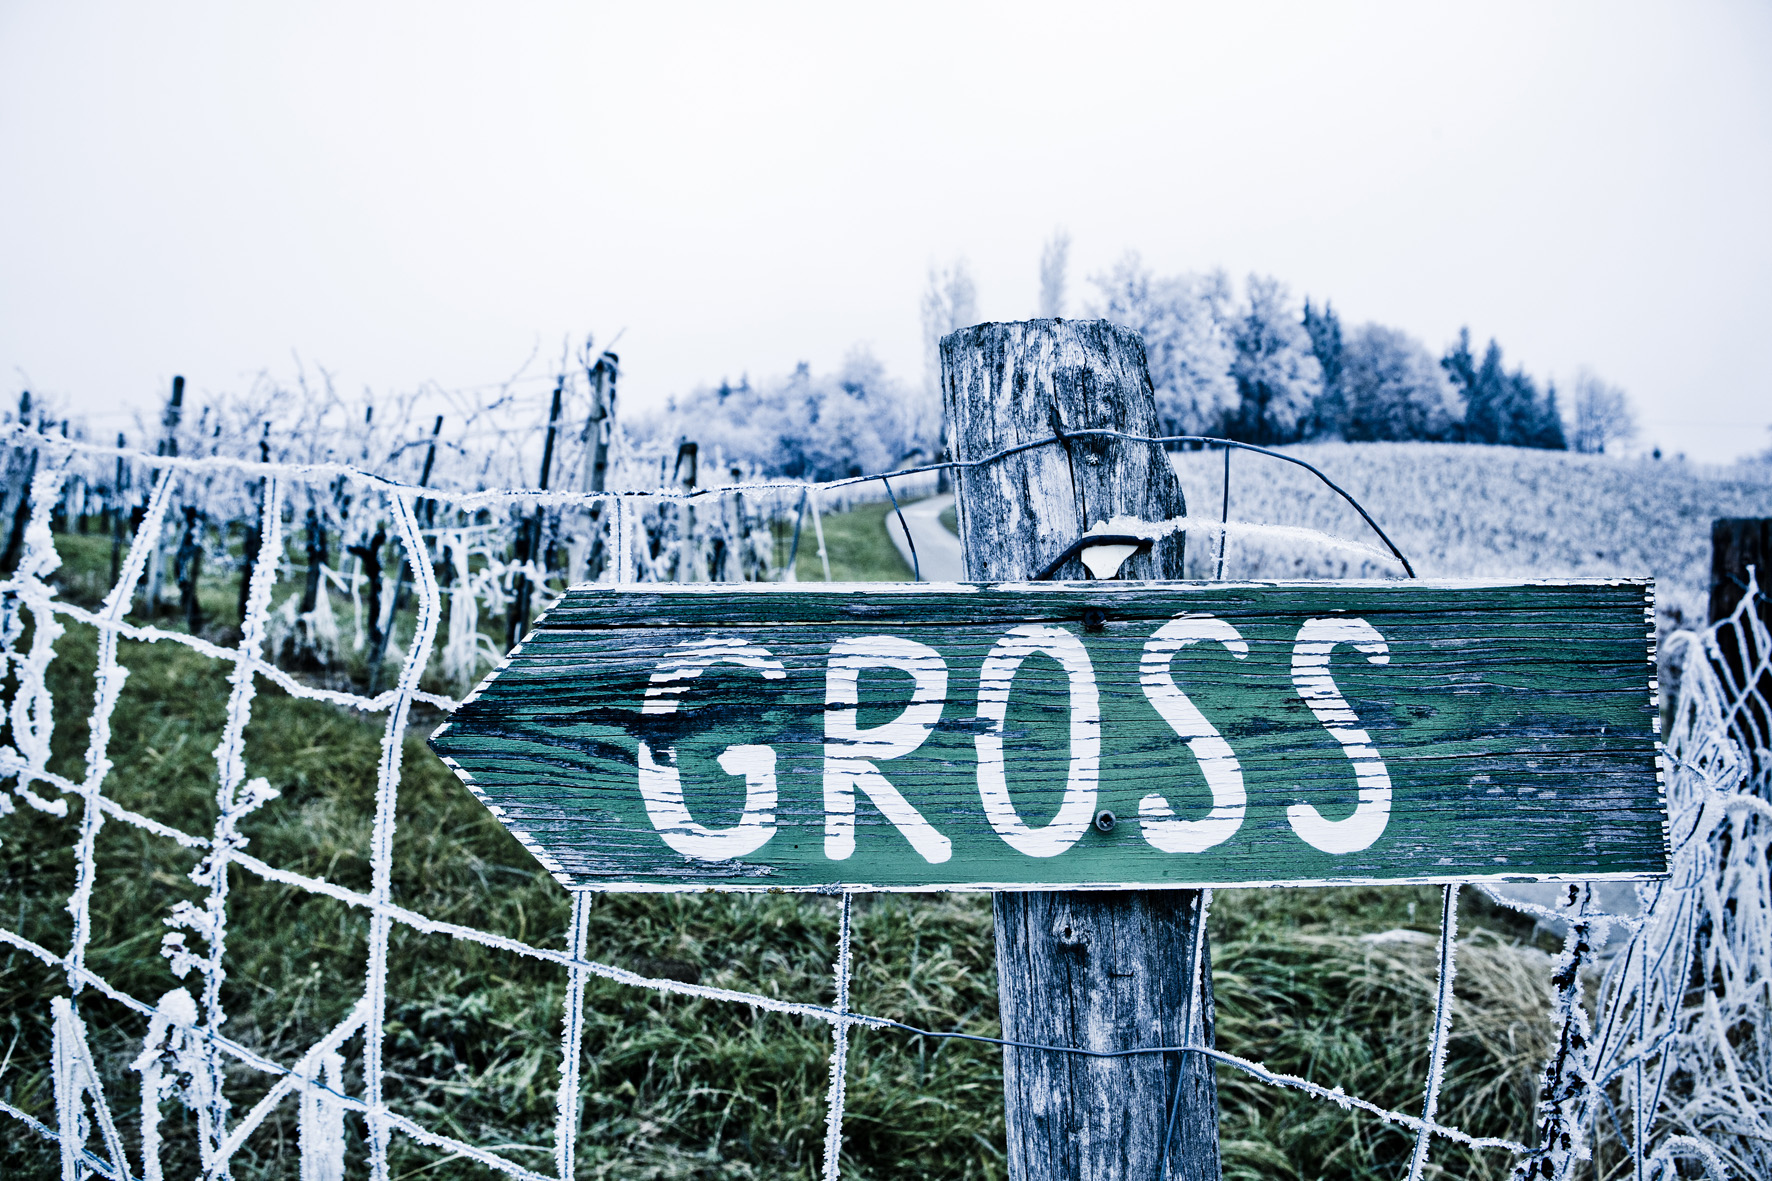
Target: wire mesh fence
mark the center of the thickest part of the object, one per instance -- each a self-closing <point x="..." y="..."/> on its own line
<point x="1659" y="1051"/>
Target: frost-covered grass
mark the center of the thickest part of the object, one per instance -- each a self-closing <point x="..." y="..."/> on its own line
<point x="673" y="1087"/>
<point x="1465" y="512"/>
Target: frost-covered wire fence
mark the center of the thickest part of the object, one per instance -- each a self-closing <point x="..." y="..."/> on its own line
<point x="1673" y="1066"/>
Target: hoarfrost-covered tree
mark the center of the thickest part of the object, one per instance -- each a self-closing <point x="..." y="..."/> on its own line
<point x="1053" y="261"/>
<point x="816" y="426"/>
<point x="950" y="302"/>
<point x="1486" y="411"/>
<point x="1393" y="388"/>
<point x="1603" y="414"/>
<point x="1183" y="320"/>
<point x="1329" y="415"/>
<point x="1501" y="407"/>
<point x="1548" y="422"/>
<point x="1277" y="375"/>
<point x="1460" y="365"/>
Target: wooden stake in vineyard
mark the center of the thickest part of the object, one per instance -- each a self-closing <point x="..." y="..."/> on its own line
<point x="1123" y="961"/>
<point x="689" y="567"/>
<point x="529" y="536"/>
<point x="15" y="492"/>
<point x="116" y="513"/>
<point x="169" y="424"/>
<point x="598" y="429"/>
<point x="427" y="511"/>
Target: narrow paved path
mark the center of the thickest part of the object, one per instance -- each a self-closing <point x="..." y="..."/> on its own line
<point x="938" y="551"/>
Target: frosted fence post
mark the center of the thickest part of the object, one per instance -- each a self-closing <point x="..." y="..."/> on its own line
<point x="32" y="712"/>
<point x="233" y="801"/>
<point x="33" y="709"/>
<point x="1436" y="1067"/>
<point x="633" y="535"/>
<point x="322" y="1119"/>
<point x="109" y="684"/>
<point x="381" y="853"/>
<point x="75" y="1082"/>
<point x="833" y="1135"/>
<point x="168" y="1043"/>
<point x="572" y="1036"/>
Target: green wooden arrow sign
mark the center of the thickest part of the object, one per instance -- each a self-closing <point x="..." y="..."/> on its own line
<point x="1027" y="736"/>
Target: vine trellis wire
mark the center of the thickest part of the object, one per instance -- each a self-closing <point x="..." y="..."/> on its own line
<point x="1678" y="1075"/>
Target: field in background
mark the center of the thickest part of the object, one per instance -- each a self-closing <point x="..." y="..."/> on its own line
<point x="1332" y="984"/>
<point x="1491" y="512"/>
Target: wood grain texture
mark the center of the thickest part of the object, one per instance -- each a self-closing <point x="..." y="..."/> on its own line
<point x="1741" y="549"/>
<point x="1114" y="972"/>
<point x="1076" y="970"/>
<point x="1002" y="385"/>
<point x="1514" y="722"/>
<point x="1736" y="545"/>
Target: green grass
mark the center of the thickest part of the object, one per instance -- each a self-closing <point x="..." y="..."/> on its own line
<point x="858" y="546"/>
<point x="673" y="1088"/>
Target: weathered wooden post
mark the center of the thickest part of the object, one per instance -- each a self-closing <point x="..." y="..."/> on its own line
<point x="598" y="429"/>
<point x="21" y="466"/>
<point x="116" y="512"/>
<point x="689" y="567"/>
<point x="187" y="569"/>
<point x="529" y="548"/>
<point x="169" y="424"/>
<point x="428" y="510"/>
<point x="1099" y="970"/>
<point x="1738" y="545"/>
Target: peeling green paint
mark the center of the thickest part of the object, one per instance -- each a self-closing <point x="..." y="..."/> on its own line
<point x="923" y="736"/>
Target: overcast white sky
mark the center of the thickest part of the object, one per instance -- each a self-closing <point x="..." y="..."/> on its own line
<point x="430" y="192"/>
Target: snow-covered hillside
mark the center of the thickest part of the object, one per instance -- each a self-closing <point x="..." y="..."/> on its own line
<point x="1467" y="511"/>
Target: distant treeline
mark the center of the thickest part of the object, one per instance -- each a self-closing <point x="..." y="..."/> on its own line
<point x="1256" y="368"/>
<point x="804" y="425"/>
<point x="1258" y="371"/>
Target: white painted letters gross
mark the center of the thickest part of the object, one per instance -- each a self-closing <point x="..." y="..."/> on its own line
<point x="850" y="754"/>
<point x="1310" y="677"/>
<point x="1224" y="778"/>
<point x="1077" y="809"/>
<point x="661" y="785"/>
